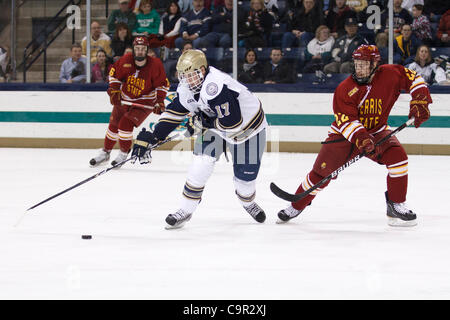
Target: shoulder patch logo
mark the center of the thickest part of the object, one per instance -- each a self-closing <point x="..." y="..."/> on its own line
<point x="353" y="91"/>
<point x="212" y="88"/>
<point x="127" y="65"/>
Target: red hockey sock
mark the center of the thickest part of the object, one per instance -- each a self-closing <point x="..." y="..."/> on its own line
<point x="396" y="162"/>
<point x="125" y="134"/>
<point x="311" y="179"/>
<point x="111" y="137"/>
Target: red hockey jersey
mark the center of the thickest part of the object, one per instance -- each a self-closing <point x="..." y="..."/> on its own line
<point x="147" y="85"/>
<point x="367" y="107"/>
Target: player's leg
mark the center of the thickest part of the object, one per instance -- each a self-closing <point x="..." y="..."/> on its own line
<point x="246" y="163"/>
<point x="395" y="158"/>
<point x="132" y="118"/>
<point x="335" y="151"/>
<point x="207" y="150"/>
<point x="111" y="137"/>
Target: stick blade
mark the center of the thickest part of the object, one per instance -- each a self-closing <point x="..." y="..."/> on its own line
<point x="281" y="193"/>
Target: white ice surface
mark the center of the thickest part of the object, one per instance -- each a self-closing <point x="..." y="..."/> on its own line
<point x="339" y="248"/>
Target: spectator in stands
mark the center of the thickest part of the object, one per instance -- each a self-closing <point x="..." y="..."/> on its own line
<point x="434" y="9"/>
<point x="171" y="65"/>
<point x="401" y="16"/>
<point x="169" y="28"/>
<point x="100" y="70"/>
<point x="123" y="14"/>
<point x="99" y="40"/>
<point x="133" y="5"/>
<point x="425" y="66"/>
<point x="272" y="7"/>
<point x="186" y="5"/>
<point x="421" y="25"/>
<point x="302" y="25"/>
<point x="222" y="27"/>
<point x="292" y="6"/>
<point x="343" y="48"/>
<point x="336" y="18"/>
<point x="212" y="5"/>
<point x="318" y="51"/>
<point x="256" y="25"/>
<point x="405" y="46"/>
<point x="73" y="69"/>
<point x="5" y="67"/>
<point x="408" y="4"/>
<point x="357" y="5"/>
<point x="194" y="25"/>
<point x="147" y="20"/>
<point x="276" y="70"/>
<point x="251" y="71"/>
<point x="122" y="39"/>
<point x="443" y="33"/>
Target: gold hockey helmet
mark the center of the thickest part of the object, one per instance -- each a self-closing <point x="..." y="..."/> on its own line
<point x="189" y="69"/>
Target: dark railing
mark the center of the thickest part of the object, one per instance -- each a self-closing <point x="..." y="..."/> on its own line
<point x="35" y="49"/>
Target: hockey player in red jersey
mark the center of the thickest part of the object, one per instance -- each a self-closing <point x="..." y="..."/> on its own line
<point x="137" y="78"/>
<point x="361" y="106"/>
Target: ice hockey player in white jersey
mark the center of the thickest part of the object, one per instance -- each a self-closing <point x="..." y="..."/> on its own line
<point x="229" y="115"/>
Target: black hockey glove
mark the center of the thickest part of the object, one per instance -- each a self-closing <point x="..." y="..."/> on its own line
<point x="204" y="121"/>
<point x="142" y="146"/>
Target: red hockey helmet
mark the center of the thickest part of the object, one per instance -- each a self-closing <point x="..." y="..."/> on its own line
<point x="140" y="41"/>
<point x="143" y="41"/>
<point x="366" y="52"/>
<point x="365" y="70"/>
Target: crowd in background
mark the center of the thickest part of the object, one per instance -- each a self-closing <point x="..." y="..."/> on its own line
<point x="280" y="38"/>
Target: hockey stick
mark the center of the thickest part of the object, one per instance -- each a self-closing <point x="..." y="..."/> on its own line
<point x="134" y="104"/>
<point x="100" y="173"/>
<point x="296" y="197"/>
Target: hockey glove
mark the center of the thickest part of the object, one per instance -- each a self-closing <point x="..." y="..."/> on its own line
<point x="114" y="96"/>
<point x="190" y="127"/>
<point x="365" y="143"/>
<point x="142" y="146"/>
<point x="202" y="120"/>
<point x="159" y="108"/>
<point x="418" y="108"/>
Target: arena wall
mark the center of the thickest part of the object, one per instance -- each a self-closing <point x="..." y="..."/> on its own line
<point x="298" y="121"/>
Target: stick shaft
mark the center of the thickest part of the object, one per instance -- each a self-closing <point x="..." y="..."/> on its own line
<point x="134" y="104"/>
<point x="294" y="198"/>
<point x="97" y="174"/>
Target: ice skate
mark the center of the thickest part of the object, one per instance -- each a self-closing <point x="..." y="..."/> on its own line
<point x="287" y="214"/>
<point x="122" y="156"/>
<point x="399" y="215"/>
<point x="256" y="212"/>
<point x="178" y="219"/>
<point x="102" y="156"/>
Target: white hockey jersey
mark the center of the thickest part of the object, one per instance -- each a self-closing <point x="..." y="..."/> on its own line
<point x="238" y="112"/>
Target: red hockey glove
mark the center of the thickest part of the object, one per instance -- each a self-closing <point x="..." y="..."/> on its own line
<point x="159" y="108"/>
<point x="114" y="96"/>
<point x="418" y="108"/>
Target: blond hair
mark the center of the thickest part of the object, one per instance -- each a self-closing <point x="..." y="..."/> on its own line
<point x="319" y="29"/>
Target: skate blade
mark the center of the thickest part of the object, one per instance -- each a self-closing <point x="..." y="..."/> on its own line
<point x="279" y="221"/>
<point x="169" y="227"/>
<point x="396" y="222"/>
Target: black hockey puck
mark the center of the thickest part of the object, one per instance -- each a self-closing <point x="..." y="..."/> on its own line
<point x="86" y="236"/>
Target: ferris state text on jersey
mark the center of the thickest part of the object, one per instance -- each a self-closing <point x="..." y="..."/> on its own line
<point x="374" y="100"/>
<point x="146" y="85"/>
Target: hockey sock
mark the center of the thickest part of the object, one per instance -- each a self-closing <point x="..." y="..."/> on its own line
<point x="199" y="173"/>
<point x="245" y="191"/>
<point x="125" y="134"/>
<point x="396" y="162"/>
<point x="111" y="137"/>
<point x="311" y="179"/>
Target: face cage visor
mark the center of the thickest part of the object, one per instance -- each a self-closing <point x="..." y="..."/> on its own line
<point x="193" y="80"/>
<point x="372" y="67"/>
